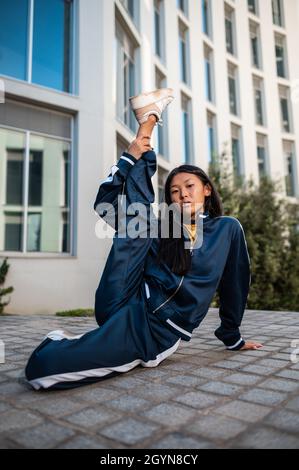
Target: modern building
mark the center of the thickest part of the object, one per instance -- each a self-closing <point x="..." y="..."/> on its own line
<point x="68" y="68"/>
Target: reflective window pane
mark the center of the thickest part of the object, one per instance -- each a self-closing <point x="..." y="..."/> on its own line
<point x="13" y="38"/>
<point x="51" y="54"/>
<point x="33" y="232"/>
<point x="12" y="158"/>
<point x="35" y="178"/>
<point x="49" y="186"/>
<point x="13" y="225"/>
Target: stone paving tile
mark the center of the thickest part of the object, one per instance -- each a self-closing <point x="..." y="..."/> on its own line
<point x="129" y="431"/>
<point x="46" y="436"/>
<point x="18" y="419"/>
<point x="82" y="442"/>
<point x="4" y="406"/>
<point x="274" y="363"/>
<point x="288" y="374"/>
<point x="91" y="417"/>
<point x="293" y="404"/>
<point x="284" y="420"/>
<point x="197" y="399"/>
<point x="180" y="441"/>
<point x="266" y="438"/>
<point x="209" y="372"/>
<point x="221" y="388"/>
<point x="228" y="364"/>
<point x="186" y="380"/>
<point x="157" y="392"/>
<point x="169" y="414"/>
<point x="178" y="365"/>
<point x="96" y="394"/>
<point x="54" y="407"/>
<point x="244" y="411"/>
<point x="203" y="396"/>
<point x="282" y="385"/>
<point x="263" y="397"/>
<point x="257" y="369"/>
<point x="242" y="379"/>
<point x="129" y="403"/>
<point x="217" y="427"/>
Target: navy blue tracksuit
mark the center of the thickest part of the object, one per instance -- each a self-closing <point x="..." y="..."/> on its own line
<point x="142" y="308"/>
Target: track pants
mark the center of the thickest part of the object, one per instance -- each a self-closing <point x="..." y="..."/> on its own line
<point x="129" y="334"/>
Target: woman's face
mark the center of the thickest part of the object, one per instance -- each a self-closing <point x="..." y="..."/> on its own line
<point x="188" y="191"/>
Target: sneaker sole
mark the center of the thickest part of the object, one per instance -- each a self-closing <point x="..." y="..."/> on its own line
<point x="145" y="99"/>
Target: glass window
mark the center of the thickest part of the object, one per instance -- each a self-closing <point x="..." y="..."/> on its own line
<point x="236" y="150"/>
<point x="261" y="155"/>
<point x="129" y="6"/>
<point x="183" y="49"/>
<point x="37" y="194"/>
<point x="13" y="38"/>
<point x="12" y="231"/>
<point x="186" y="130"/>
<point x="183" y="6"/>
<point x="255" y="45"/>
<point x="285" y="109"/>
<point x="206" y="17"/>
<point x="161" y="131"/>
<point x="209" y="75"/>
<point x="157" y="16"/>
<point x="232" y="87"/>
<point x="159" y="24"/>
<point x="125" y="78"/>
<point x="51" y="56"/>
<point x="252" y="6"/>
<point x="211" y="128"/>
<point x="162" y="175"/>
<point x="277" y="12"/>
<point x="14" y="175"/>
<point x="49" y="61"/>
<point x="229" y="31"/>
<point x="34" y="232"/>
<point x="280" y="56"/>
<point x="259" y="102"/>
<point x="290" y="168"/>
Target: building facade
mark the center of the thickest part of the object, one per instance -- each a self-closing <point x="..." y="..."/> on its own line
<point x="68" y="68"/>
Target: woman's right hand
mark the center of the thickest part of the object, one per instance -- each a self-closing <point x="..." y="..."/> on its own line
<point x="139" y="146"/>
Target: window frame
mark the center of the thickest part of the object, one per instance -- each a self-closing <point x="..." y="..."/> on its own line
<point x="73" y="59"/>
<point x="25" y="196"/>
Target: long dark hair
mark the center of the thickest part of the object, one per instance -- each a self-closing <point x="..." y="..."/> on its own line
<point x="171" y="249"/>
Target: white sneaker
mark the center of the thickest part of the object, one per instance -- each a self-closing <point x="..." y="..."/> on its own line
<point x="152" y="102"/>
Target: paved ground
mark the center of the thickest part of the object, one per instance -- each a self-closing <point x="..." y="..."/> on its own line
<point x="202" y="396"/>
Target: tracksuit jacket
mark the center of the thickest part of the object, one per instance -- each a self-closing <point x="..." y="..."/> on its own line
<point x="142" y="308"/>
<point x="222" y="261"/>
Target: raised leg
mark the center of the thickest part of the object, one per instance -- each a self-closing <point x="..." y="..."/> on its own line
<point x="122" y="275"/>
<point x="146" y="128"/>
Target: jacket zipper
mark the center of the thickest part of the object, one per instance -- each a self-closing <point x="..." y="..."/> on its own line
<point x="181" y="281"/>
<point x="192" y="246"/>
<point x="172" y="295"/>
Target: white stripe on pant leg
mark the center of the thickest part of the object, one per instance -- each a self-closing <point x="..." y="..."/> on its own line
<point x="58" y="335"/>
<point x="46" y="382"/>
<point x="161" y="356"/>
<point x="174" y="325"/>
<point x="235" y="345"/>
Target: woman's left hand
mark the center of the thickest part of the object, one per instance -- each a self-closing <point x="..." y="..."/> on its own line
<point x="251" y="345"/>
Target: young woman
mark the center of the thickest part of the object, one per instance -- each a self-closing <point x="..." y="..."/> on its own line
<point x="153" y="291"/>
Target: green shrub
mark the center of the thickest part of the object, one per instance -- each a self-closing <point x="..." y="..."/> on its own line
<point x="270" y="224"/>
<point x="4" y="291"/>
<point x="79" y="312"/>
